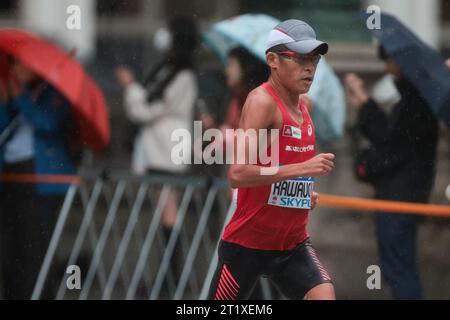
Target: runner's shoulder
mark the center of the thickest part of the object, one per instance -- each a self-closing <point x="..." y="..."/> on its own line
<point x="260" y="101"/>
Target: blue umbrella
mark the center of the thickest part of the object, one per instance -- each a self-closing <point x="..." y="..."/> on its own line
<point x="419" y="63"/>
<point x="251" y="31"/>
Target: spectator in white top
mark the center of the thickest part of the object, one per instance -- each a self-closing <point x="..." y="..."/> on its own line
<point x="164" y="103"/>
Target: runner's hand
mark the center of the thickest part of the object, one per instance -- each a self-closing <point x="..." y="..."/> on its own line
<point x="320" y="165"/>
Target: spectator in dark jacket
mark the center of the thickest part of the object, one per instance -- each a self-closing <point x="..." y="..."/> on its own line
<point x="400" y="163"/>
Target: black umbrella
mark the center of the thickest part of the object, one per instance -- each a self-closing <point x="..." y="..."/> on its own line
<point x="422" y="65"/>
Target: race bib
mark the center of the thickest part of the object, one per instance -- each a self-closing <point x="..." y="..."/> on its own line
<point x="292" y="193"/>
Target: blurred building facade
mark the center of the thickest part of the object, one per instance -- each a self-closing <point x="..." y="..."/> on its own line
<point x="335" y="21"/>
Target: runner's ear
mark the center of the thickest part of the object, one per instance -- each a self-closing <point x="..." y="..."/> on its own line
<point x="272" y="59"/>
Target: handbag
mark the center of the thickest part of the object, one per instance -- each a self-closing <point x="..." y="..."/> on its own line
<point x="365" y="165"/>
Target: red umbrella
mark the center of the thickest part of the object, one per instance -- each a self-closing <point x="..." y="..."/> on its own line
<point x="63" y="72"/>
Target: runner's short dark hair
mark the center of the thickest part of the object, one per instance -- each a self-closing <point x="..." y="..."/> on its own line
<point x="282" y="47"/>
<point x="278" y="48"/>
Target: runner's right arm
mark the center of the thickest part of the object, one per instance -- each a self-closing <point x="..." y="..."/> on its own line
<point x="259" y="112"/>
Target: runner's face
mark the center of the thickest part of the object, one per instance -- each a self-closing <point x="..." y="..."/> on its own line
<point x="297" y="72"/>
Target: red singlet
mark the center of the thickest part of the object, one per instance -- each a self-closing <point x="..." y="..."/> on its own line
<point x="274" y="217"/>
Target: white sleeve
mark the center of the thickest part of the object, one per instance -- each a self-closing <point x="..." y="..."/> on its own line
<point x="176" y="98"/>
<point x="136" y="106"/>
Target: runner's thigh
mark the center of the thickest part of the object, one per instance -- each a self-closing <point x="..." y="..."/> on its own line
<point x="300" y="272"/>
<point x="236" y="273"/>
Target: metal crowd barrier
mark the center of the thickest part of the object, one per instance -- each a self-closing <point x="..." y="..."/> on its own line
<point x="110" y="227"/>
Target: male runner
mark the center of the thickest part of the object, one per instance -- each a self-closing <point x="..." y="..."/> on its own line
<point x="267" y="235"/>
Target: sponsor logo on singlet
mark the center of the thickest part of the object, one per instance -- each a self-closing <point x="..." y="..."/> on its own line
<point x="292" y="193"/>
<point x="291" y="131"/>
<point x="299" y="149"/>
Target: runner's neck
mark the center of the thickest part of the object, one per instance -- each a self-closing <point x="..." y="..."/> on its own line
<point x="290" y="99"/>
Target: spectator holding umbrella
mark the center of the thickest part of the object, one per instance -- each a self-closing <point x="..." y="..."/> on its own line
<point x="38" y="119"/>
<point x="400" y="163"/>
<point x="49" y="109"/>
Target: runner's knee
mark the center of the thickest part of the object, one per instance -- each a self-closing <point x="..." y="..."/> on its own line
<point x="324" y="291"/>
